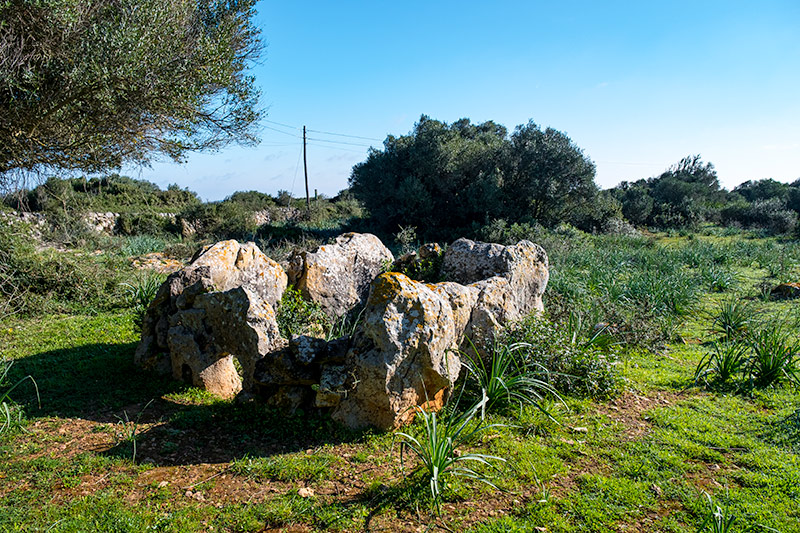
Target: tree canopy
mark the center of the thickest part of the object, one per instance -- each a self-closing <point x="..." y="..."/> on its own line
<point x="86" y="85"/>
<point x="443" y="178"/>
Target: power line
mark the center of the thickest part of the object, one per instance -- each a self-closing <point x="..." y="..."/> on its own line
<point x="284" y="132"/>
<point x="281" y="124"/>
<point x="296" y="168"/>
<point x="338" y="142"/>
<point x="344" y="135"/>
<point x="336" y="148"/>
<point x="319" y="131"/>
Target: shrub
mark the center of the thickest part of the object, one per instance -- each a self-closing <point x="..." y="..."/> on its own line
<point x="221" y="220"/>
<point x="297" y="316"/>
<point x="252" y="200"/>
<point x="770" y="214"/>
<point x="46" y="281"/>
<point x="574" y="367"/>
<point x="446" y="177"/>
<point x="618" y="226"/>
<point x="132" y="224"/>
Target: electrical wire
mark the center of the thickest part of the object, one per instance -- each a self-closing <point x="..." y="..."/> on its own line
<point x="320" y="131"/>
<point x="281" y="124"/>
<point x="336" y="148"/>
<point x="344" y="135"/>
<point x="338" y="142"/>
<point x="284" y="132"/>
<point x="296" y="168"/>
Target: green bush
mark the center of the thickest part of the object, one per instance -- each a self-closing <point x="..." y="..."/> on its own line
<point x="770" y="215"/>
<point x="221" y="220"/>
<point x="34" y="282"/>
<point x="115" y="193"/>
<point x="444" y="178"/>
<point x="251" y="200"/>
<point x="297" y="316"/>
<point x="144" y="224"/>
<point x="574" y="366"/>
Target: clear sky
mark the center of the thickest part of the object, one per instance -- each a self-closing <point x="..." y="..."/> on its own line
<point x="637" y="85"/>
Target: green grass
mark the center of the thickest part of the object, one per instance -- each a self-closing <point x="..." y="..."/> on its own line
<point x="643" y="460"/>
<point x="293" y="467"/>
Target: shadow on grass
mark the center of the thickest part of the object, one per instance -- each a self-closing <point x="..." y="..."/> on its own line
<point x="785" y="432"/>
<point x="99" y="382"/>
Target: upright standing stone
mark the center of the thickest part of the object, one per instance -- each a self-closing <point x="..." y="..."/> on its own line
<point x="337" y="276"/>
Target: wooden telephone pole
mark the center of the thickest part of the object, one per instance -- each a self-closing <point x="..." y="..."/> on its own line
<point x="305" y="168"/>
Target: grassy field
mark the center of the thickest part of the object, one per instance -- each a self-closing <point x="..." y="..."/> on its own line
<point x="111" y="448"/>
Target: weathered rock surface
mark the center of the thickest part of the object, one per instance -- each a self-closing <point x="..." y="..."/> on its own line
<point x="524" y="265"/>
<point x="337" y="276"/>
<point x="204" y="337"/>
<point x="404" y="355"/>
<point x="462" y="300"/>
<point x="219" y="307"/>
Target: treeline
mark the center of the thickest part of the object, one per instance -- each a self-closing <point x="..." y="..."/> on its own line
<point x="145" y="209"/>
<point x="463" y="178"/>
<point x="443" y="181"/>
<point x="689" y="193"/>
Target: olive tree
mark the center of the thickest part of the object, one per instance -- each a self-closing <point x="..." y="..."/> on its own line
<point x="550" y="174"/>
<point x="86" y="85"/>
<point x="448" y="178"/>
<point x="439" y="178"/>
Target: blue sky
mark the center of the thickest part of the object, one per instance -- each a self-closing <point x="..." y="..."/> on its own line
<point x="637" y="85"/>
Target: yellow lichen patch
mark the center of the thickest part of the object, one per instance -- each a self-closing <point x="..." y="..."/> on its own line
<point x="386" y="286"/>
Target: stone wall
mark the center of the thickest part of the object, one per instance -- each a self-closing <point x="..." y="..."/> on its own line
<point x="404" y="352"/>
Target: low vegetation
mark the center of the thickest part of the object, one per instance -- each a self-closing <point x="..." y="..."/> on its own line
<point x="657" y="393"/>
<point x="649" y="397"/>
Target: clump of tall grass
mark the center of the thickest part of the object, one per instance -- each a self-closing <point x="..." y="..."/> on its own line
<point x="720" y="365"/>
<point x="717" y="519"/>
<point x="775" y="356"/>
<point x="733" y="320"/>
<point x="438" y="448"/>
<point x="10" y="413"/>
<point x="508" y="378"/>
<point x="763" y="354"/>
<point x="143" y="244"/>
<point x="140" y="292"/>
<point x="719" y="279"/>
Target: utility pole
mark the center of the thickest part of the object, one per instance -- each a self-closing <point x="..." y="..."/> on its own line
<point x="305" y="168"/>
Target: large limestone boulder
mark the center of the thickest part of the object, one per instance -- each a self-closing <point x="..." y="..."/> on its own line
<point x="337" y="276"/>
<point x="212" y="329"/>
<point x="462" y="300"/>
<point x="403" y="356"/>
<point x="219" y="307"/>
<point x="495" y="306"/>
<point x="524" y="265"/>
